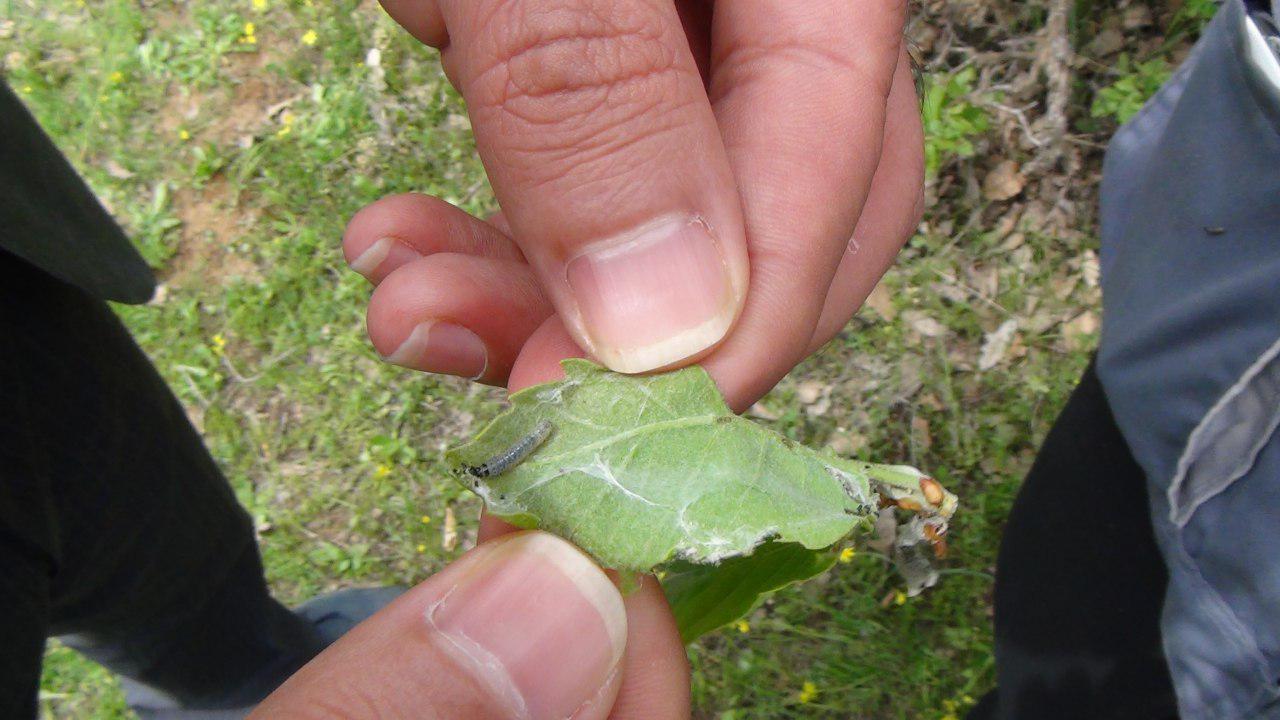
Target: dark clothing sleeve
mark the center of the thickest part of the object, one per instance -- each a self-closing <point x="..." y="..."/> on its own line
<point x="53" y="221"/>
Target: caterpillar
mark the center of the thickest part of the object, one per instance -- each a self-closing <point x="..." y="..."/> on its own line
<point x="513" y="455"/>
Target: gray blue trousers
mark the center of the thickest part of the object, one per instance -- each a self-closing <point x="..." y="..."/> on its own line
<point x="1190" y="357"/>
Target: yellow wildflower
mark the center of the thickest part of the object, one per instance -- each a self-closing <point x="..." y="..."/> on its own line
<point x="310" y="37"/>
<point x="422" y="548"/>
<point x="846" y="555"/>
<point x="26" y="89"/>
<point x="286" y="124"/>
<point x="116" y="77"/>
<point x="184" y="135"/>
<point x="742" y="626"/>
<point x="808" y="691"/>
<point x="426" y="519"/>
<point x="248" y="38"/>
<point x="219" y="344"/>
<point x="899" y="598"/>
<point x="952" y="708"/>
<point x="259" y="4"/>
<point x="381" y="472"/>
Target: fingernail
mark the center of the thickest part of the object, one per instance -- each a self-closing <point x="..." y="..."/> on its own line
<point x="380" y="258"/>
<point x="537" y="623"/>
<point x="654" y="296"/>
<point x="442" y="347"/>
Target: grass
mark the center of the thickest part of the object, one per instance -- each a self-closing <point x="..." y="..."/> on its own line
<point x="233" y="139"/>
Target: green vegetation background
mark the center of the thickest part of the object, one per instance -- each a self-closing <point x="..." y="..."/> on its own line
<point x="233" y="138"/>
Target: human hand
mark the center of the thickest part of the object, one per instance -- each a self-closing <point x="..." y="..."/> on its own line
<point x="522" y="626"/>
<point x="675" y="187"/>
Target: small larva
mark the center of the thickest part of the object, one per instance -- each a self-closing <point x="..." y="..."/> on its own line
<point x="513" y="455"/>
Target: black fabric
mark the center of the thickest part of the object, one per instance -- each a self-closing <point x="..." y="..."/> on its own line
<point x="1080" y="582"/>
<point x="50" y="218"/>
<point x="116" y="528"/>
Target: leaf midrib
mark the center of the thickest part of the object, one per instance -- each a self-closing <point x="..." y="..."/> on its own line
<point x="614" y="439"/>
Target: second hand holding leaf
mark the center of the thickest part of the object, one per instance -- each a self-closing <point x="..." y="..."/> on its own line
<point x="641" y="471"/>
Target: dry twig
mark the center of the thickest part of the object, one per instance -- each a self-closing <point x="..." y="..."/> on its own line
<point x="1055" y="59"/>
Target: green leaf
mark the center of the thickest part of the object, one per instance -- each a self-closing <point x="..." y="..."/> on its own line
<point x="640" y="471"/>
<point x="706" y="597"/>
<point x="951" y="118"/>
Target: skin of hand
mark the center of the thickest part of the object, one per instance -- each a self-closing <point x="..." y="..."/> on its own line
<point x="688" y="181"/>
<point x="524" y="626"/>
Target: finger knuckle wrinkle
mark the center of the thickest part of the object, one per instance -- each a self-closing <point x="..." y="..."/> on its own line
<point x="344" y="700"/>
<point x="585" y="168"/>
<point x="757" y="61"/>
<point x="575" y="62"/>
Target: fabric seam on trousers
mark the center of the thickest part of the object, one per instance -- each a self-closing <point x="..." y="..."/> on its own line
<point x="1204" y="470"/>
<point x="1219" y="612"/>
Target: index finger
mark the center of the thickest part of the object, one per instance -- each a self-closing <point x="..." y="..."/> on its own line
<point x="800" y="92"/>
<point x="594" y="126"/>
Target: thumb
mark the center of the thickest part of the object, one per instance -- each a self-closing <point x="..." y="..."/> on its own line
<point x="599" y="139"/>
<point x="525" y="626"/>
